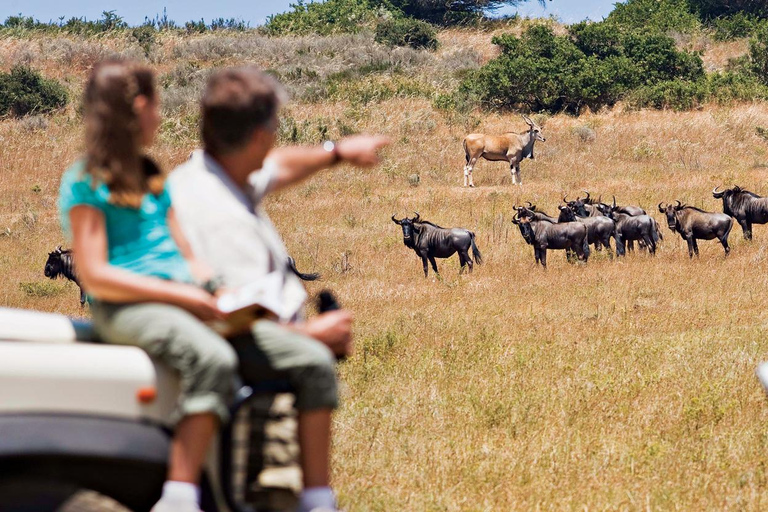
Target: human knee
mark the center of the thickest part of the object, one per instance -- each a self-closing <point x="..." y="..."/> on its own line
<point x="317" y="383"/>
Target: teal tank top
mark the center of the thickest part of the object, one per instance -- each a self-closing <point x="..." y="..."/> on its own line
<point x="138" y="240"/>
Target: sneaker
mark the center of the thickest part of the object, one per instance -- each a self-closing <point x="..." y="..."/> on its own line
<point x="175" y="506"/>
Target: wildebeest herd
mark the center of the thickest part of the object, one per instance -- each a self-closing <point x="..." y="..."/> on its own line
<point x="584" y="221"/>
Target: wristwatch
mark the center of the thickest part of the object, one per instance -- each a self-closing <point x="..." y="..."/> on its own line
<point x="331" y="147"/>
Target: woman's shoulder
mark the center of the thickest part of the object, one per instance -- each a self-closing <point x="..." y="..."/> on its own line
<point x="75" y="173"/>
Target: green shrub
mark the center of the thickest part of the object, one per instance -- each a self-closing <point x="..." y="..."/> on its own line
<point x="592" y="66"/>
<point x="711" y="9"/>
<point x="24" y="91"/>
<point x="758" y="54"/>
<point x="670" y="94"/>
<point x="406" y="32"/>
<point x="735" y="27"/>
<point x="329" y="17"/>
<point x="655" y="15"/>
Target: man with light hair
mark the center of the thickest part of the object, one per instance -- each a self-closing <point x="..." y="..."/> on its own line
<point x="217" y="197"/>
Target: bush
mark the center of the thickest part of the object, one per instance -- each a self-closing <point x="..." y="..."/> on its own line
<point x="24" y="91"/>
<point x="735" y="27"/>
<point x="406" y="32"/>
<point x="711" y="9"/>
<point x="655" y="15"/>
<point x="758" y="54"/>
<point x="329" y="17"/>
<point x="593" y="66"/>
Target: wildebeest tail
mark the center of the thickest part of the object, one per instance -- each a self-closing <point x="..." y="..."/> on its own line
<point x="302" y="276"/>
<point x="656" y="232"/>
<point x="475" y="251"/>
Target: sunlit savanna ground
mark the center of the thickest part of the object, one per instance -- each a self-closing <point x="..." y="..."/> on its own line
<point x="615" y="385"/>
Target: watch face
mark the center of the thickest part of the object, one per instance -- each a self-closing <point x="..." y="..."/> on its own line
<point x="329" y="145"/>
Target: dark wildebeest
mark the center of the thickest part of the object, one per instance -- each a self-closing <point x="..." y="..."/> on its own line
<point x="695" y="224"/>
<point x="632" y="211"/>
<point x="746" y="207"/>
<point x="600" y="229"/>
<point x="508" y="147"/>
<point x="62" y="263"/>
<point x="304" y="277"/>
<point x="629" y="228"/>
<point x="430" y="241"/>
<point x="543" y="235"/>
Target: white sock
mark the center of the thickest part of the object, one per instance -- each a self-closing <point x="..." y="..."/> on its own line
<point x="180" y="492"/>
<point x="317" y="497"/>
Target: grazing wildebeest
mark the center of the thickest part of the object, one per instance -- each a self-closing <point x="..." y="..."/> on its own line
<point x="746" y="207"/>
<point x="509" y="147"/>
<point x="600" y="229"/>
<point x="304" y="277"/>
<point x="629" y="228"/>
<point x="430" y="241"/>
<point x="62" y="263"/>
<point x="695" y="224"/>
<point x="543" y="235"/>
<point x="586" y="207"/>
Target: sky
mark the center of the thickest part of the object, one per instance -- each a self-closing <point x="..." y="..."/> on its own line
<point x="253" y="11"/>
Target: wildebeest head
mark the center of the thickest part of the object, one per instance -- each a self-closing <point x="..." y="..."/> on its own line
<point x="578" y="205"/>
<point x="670" y="212"/>
<point x="566" y="214"/>
<point x="408" y="228"/>
<point x="535" y="129"/>
<point x="731" y="198"/>
<point x="54" y="265"/>
<point x="523" y="220"/>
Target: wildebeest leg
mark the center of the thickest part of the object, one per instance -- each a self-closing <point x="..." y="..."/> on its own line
<point x="620" y="249"/>
<point x="689" y="241"/>
<point x="724" y="241"/>
<point x="424" y="262"/>
<point x="537" y="255"/>
<point x="543" y="258"/>
<point x="434" y="264"/>
<point x="631" y="245"/>
<point x="747" y="230"/>
<point x="650" y="244"/>
<point x="465" y="258"/>
<point x="695" y="246"/>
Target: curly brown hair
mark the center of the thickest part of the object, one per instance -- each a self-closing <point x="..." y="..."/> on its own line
<point x="113" y="134"/>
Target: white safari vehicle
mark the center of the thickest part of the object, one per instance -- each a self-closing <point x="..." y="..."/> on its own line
<point x="78" y="417"/>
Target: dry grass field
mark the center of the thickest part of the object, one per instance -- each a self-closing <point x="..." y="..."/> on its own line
<point x="616" y="385"/>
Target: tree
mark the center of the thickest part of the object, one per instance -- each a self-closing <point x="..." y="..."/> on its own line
<point x="709" y="9"/>
<point x="447" y="12"/>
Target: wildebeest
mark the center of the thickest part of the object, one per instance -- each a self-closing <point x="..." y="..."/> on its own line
<point x="695" y="224"/>
<point x="509" y="147"/>
<point x="543" y="235"/>
<point x="430" y="241"/>
<point x="632" y="211"/>
<point x="600" y="229"/>
<point x="746" y="207"/>
<point x="61" y="262"/>
<point x="633" y="227"/>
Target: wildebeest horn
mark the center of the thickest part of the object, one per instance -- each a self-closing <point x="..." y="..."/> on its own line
<point x="58" y="249"/>
<point x="531" y="206"/>
<point x="679" y="204"/>
<point x="417" y="217"/>
<point x="614" y="201"/>
<point x="586" y="198"/>
<point x="566" y="195"/>
<point x="661" y="208"/>
<point x="716" y="194"/>
<point x="395" y="220"/>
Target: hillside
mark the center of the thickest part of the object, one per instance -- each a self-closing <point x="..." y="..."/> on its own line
<point x="615" y="385"/>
